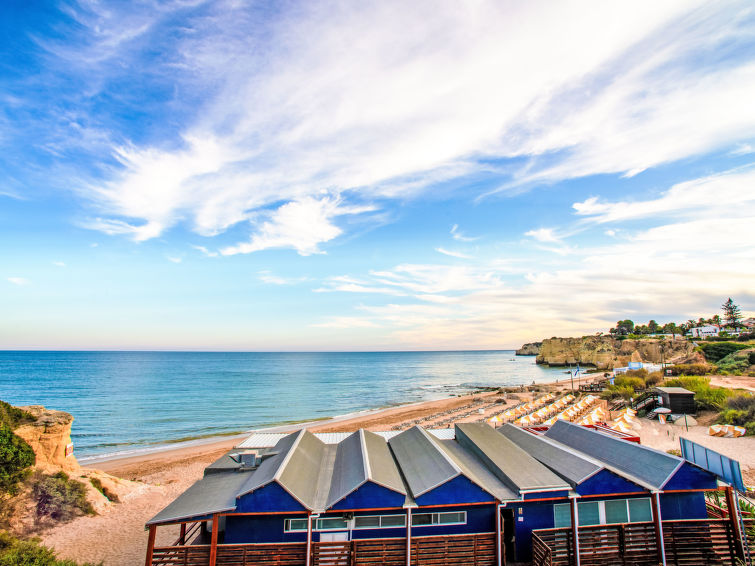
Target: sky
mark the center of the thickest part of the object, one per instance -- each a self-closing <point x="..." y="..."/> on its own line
<point x="234" y="175"/>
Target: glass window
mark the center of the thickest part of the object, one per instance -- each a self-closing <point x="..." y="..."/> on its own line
<point x="589" y="513"/>
<point x="561" y="515"/>
<point x="331" y="524"/>
<point x="295" y="525"/>
<point x="639" y="510"/>
<point x="616" y="511"/>
<point x="371" y="522"/>
<point x="422" y="519"/>
<point x="452" y="518"/>
<point x="393" y="521"/>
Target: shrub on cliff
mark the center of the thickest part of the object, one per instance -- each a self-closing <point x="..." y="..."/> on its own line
<point x="16" y="456"/>
<point x="736" y="362"/>
<point x="624" y="382"/>
<point x="715" y="351"/>
<point x="59" y="497"/>
<point x="740" y="411"/>
<point x="15" y="552"/>
<point x="690" y="369"/>
<point x="706" y="397"/>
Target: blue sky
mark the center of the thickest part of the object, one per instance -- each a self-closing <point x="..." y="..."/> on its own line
<point x="361" y="176"/>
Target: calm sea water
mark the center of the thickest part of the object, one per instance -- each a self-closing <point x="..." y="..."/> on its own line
<point x="124" y="401"/>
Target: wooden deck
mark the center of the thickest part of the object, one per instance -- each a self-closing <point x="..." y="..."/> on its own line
<point x="467" y="550"/>
<point x="690" y="543"/>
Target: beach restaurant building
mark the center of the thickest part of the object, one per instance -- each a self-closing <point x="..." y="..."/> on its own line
<point x="469" y="495"/>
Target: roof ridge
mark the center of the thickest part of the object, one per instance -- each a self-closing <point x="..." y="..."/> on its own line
<point x="434" y="441"/>
<point x="289" y="455"/>
<point x="365" y="456"/>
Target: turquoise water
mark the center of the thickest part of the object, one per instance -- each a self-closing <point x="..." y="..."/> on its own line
<point x="124" y="401"/>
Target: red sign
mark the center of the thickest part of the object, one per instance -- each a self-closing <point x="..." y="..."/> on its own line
<point x="69" y="450"/>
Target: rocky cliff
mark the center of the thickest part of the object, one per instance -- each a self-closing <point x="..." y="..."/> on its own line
<point x="49" y="436"/>
<point x="530" y="349"/>
<point x="605" y="352"/>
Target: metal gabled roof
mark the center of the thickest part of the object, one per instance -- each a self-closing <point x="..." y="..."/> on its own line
<point x="362" y="457"/>
<point x="651" y="467"/>
<point x="507" y="461"/>
<point x="269" y="469"/>
<point x="424" y="464"/>
<point x="215" y="493"/>
<point x="567" y="463"/>
<point x="476" y="471"/>
<point x="270" y="439"/>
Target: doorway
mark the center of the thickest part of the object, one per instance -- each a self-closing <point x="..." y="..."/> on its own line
<point x="508" y="536"/>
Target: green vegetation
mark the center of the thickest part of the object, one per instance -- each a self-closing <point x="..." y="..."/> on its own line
<point x="736" y="362"/>
<point x="740" y="411"/>
<point x="732" y="313"/>
<point x="97" y="484"/>
<point x="689" y="369"/>
<point x="16" y="456"/>
<point x="715" y="351"/>
<point x="59" y="497"/>
<point x="629" y="383"/>
<point x="706" y="397"/>
<point x="16" y="552"/>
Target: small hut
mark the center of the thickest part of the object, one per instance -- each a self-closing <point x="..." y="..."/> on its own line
<point x="679" y="400"/>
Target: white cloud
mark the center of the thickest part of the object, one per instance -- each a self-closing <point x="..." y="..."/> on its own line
<point x="452" y="253"/>
<point x="346" y="322"/>
<point x="205" y="251"/>
<point x="174" y="259"/>
<point x="270" y="278"/>
<point x="20" y="281"/>
<point x="460" y="236"/>
<point x="340" y="98"/>
<point x="543" y="235"/>
<point x="58" y="264"/>
<point x="301" y="225"/>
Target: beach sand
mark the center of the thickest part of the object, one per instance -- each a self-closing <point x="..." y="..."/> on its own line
<point x="117" y="536"/>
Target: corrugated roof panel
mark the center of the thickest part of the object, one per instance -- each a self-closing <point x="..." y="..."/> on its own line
<point x="476" y="471"/>
<point x="423" y="463"/>
<point x="650" y="466"/>
<point x="215" y="493"/>
<point x="382" y="467"/>
<point x="568" y="464"/>
<point x="270" y="467"/>
<point x="269" y="439"/>
<point x="349" y="470"/>
<point x="300" y="474"/>
<point x="511" y="464"/>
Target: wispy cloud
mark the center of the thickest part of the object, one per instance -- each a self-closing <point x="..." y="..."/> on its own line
<point x="205" y="252"/>
<point x="543" y="235"/>
<point x="460" y="236"/>
<point x="59" y="264"/>
<point x="174" y="259"/>
<point x="339" y="98"/>
<point x="20" y="281"/>
<point x="270" y="278"/>
<point x="452" y="253"/>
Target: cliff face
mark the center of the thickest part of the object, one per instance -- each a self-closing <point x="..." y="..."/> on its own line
<point x="49" y="436"/>
<point x="530" y="349"/>
<point x="605" y="352"/>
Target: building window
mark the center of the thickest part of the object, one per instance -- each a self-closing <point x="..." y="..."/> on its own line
<point x="604" y="512"/>
<point x="331" y="524"/>
<point x="295" y="525"/>
<point x="379" y="521"/>
<point x="449" y="518"/>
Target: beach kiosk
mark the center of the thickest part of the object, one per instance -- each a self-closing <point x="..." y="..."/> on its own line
<point x="681" y="401"/>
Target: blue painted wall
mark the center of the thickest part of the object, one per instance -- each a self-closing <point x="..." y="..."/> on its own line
<point x="683" y="506"/>
<point x="606" y="481"/>
<point x="457" y="490"/>
<point x="480" y="519"/>
<point x="536" y="515"/>
<point x="261" y="528"/>
<point x="271" y="497"/>
<point x="371" y="496"/>
<point x="398" y="532"/>
<point x="545" y="494"/>
<point x="690" y="476"/>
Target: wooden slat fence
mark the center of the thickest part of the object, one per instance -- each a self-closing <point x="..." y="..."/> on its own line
<point x="391" y="552"/>
<point x="472" y="550"/>
<point x="541" y="552"/>
<point x="197" y="555"/>
<point x="702" y="541"/>
<point x="262" y="554"/>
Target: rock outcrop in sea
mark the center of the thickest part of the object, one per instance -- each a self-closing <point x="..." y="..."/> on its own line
<point x="606" y="352"/>
<point x="529" y="349"/>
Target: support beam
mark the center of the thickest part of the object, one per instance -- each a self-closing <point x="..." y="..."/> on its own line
<point x="498" y="553"/>
<point x="150" y="544"/>
<point x="658" y="524"/>
<point x="575" y="530"/>
<point x="182" y="537"/>
<point x="308" y="558"/>
<point x="214" y="540"/>
<point x="733" y="509"/>
<point x="408" y="536"/>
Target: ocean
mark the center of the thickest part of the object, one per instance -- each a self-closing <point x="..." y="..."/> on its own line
<point x="126" y="402"/>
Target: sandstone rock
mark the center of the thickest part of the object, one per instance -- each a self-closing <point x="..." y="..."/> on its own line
<point x="529" y="349"/>
<point x="606" y="352"/>
<point x="49" y="436"/>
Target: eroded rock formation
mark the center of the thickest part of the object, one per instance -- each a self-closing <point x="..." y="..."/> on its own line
<point x="529" y="349"/>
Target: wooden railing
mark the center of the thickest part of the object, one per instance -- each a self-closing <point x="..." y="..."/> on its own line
<point x="695" y="542"/>
<point x="471" y="550"/>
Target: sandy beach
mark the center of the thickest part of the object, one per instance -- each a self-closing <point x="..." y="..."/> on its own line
<point x="160" y="477"/>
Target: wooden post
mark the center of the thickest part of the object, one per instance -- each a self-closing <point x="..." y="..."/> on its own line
<point x="408" y="536"/>
<point x="575" y="530"/>
<point x="308" y="557"/>
<point x="182" y="538"/>
<point x="498" y="534"/>
<point x="214" y="540"/>
<point x="150" y="544"/>
<point x="734" y="520"/>
<point x="658" y="524"/>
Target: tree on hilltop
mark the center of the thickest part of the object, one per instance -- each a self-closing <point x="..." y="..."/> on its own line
<point x="732" y="313"/>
